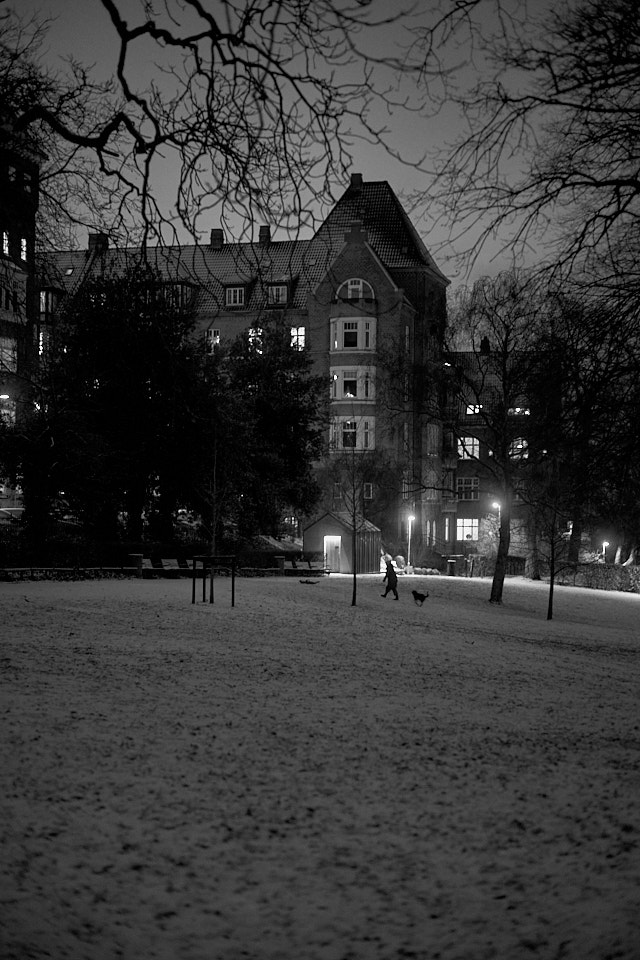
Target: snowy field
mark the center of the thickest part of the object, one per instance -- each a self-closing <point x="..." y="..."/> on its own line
<point x="298" y="779"/>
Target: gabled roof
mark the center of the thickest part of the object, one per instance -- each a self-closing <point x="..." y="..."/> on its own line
<point x="345" y="520"/>
<point x="390" y="234"/>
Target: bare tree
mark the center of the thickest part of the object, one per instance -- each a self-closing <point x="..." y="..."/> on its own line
<point x="490" y="390"/>
<point x="251" y="106"/>
<point x="548" y="98"/>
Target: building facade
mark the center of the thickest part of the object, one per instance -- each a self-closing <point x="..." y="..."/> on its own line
<point x="367" y="301"/>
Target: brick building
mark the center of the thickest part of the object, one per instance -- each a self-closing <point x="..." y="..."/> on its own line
<point x="365" y="297"/>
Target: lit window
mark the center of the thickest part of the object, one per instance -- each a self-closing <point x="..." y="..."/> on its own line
<point x="473" y="409"/>
<point x="5" y="242"/>
<point x="468" y="448"/>
<point x="298" y="338"/>
<point x="467" y="529"/>
<point x="255" y="338"/>
<point x="519" y="449"/>
<point x="519" y="411"/>
<point x="467" y="488"/>
<point x="352" y="384"/>
<point x="235" y="296"/>
<point x="211" y="339"/>
<point x="277" y="294"/>
<point x="23" y="248"/>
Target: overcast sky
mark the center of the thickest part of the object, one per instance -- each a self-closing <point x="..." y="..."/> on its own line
<point x="82" y="29"/>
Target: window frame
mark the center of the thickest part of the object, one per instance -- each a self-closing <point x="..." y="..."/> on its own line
<point x="470" y="524"/>
<point x="469" y="485"/>
<point x="355" y="284"/>
<point x="468" y="448"/>
<point x="272" y="300"/>
<point x="233" y="291"/>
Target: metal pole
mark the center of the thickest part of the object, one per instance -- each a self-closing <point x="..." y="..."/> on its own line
<point x="233" y="581"/>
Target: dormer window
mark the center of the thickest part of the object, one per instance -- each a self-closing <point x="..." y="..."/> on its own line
<point x="355" y="289"/>
<point x="277" y="294"/>
<point x="235" y="296"/>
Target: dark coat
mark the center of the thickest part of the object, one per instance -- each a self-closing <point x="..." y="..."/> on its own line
<point x="391" y="576"/>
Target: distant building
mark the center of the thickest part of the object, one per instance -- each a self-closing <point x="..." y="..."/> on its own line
<point x="18" y="206"/>
<point x="367" y="300"/>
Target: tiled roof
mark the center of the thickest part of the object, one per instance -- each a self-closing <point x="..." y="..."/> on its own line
<point x="389" y="232"/>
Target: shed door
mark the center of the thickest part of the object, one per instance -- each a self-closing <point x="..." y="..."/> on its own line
<point x="332" y="553"/>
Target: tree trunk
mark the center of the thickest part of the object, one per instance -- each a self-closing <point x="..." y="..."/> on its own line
<point x="354" y="560"/>
<point x="575" y="539"/>
<point x="501" y="560"/>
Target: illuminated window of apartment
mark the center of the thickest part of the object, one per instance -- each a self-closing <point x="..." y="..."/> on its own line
<point x="473" y="409"/>
<point x="467" y="529"/>
<point x="352" y="383"/>
<point x="468" y="448"/>
<point x="23" y="248"/>
<point x="468" y="488"/>
<point x="255" y="338"/>
<point x="211" y="339"/>
<point x="277" y="294"/>
<point x="355" y="289"/>
<point x="234" y="296"/>
<point x="298" y="338"/>
<point x="5" y="242"/>
<point x="519" y="449"/>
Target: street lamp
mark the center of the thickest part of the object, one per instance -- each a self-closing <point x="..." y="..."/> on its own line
<point x="605" y="544"/>
<point x="410" y="519"/>
<point x="496" y="506"/>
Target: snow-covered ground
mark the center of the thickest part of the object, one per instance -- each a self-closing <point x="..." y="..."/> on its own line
<point x="295" y="778"/>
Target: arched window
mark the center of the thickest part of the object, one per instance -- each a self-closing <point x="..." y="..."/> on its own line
<point x="355" y="289"/>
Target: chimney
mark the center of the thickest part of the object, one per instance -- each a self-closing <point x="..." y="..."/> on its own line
<point x="264" y="235"/>
<point x="98" y="243"/>
<point x="356" y="181"/>
<point x="485" y="346"/>
<point x="216" y="241"/>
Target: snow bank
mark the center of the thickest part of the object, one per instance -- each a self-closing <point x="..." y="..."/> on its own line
<point x="295" y="778"/>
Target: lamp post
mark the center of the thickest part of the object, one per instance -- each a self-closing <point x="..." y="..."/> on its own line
<point x="496" y="506"/>
<point x="411" y="518"/>
<point x="605" y="544"/>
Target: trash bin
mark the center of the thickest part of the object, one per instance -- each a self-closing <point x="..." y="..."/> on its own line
<point x="451" y="568"/>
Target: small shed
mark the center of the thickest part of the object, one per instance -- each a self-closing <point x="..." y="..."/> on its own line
<point x="331" y="536"/>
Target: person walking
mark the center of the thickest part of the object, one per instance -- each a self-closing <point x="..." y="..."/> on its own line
<point x="392" y="581"/>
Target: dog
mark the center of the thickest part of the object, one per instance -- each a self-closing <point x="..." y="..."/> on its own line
<point x="419" y="598"/>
